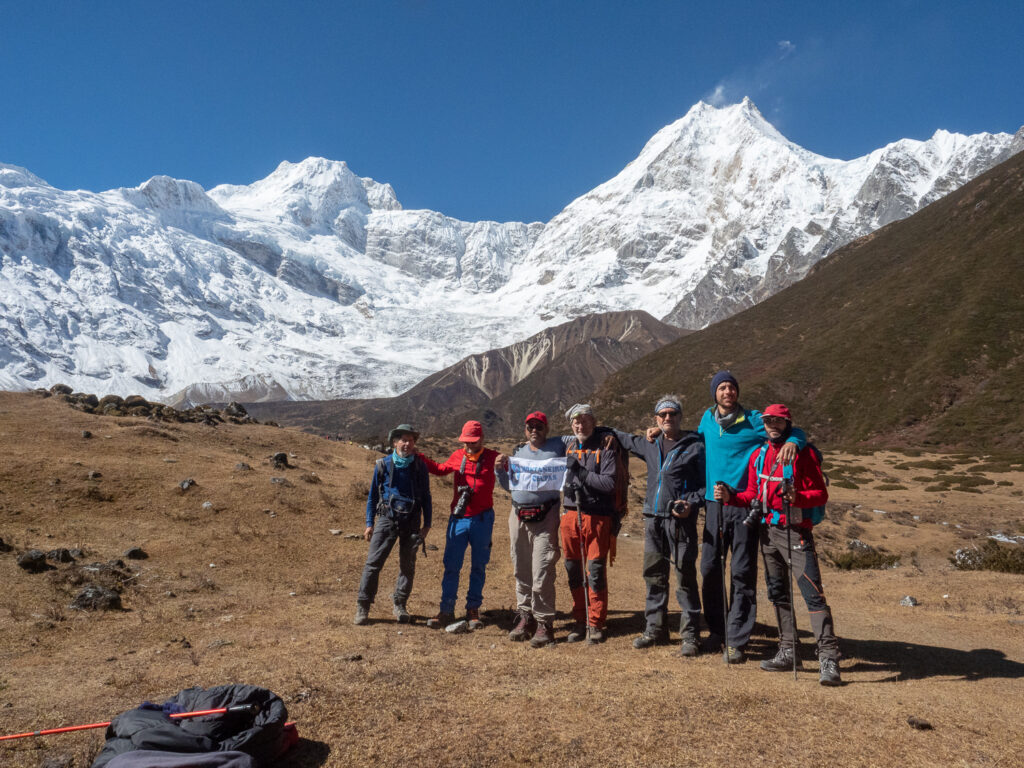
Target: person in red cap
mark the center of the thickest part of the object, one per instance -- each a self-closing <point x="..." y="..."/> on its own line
<point x="470" y="523"/>
<point x="781" y="494"/>
<point x="533" y="529"/>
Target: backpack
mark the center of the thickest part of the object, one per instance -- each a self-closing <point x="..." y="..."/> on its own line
<point x="814" y="514"/>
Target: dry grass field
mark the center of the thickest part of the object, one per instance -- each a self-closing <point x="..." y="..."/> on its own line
<point x="255" y="588"/>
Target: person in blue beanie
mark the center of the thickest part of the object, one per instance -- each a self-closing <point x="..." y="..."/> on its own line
<point x="731" y="434"/>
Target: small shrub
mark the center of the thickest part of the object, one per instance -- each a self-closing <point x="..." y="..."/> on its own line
<point x="1004" y="482"/>
<point x="844" y="483"/>
<point x="990" y="556"/>
<point x="939" y="465"/>
<point x="863" y="559"/>
<point x="936" y="488"/>
<point x="890" y="487"/>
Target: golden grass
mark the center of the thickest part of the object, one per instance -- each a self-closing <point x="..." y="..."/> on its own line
<point x="276" y="607"/>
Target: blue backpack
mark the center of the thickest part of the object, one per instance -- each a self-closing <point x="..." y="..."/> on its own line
<point x="814" y="514"/>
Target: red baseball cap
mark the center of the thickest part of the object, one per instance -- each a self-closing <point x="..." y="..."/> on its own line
<point x="471" y="432"/>
<point x="778" y="409"/>
<point x="537" y="416"/>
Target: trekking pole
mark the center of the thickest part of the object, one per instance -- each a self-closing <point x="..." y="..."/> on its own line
<point x="788" y="509"/>
<point x="725" y="589"/>
<point x="583" y="559"/>
<point x="246" y="708"/>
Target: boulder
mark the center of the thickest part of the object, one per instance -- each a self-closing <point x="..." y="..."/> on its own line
<point x="33" y="561"/>
<point x="97" y="598"/>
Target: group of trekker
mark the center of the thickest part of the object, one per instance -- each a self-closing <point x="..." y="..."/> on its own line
<point x="755" y="474"/>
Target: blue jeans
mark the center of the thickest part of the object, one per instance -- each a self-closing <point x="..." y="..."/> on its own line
<point x="474" y="532"/>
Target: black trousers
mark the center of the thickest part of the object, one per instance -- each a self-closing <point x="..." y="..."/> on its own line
<point x="741" y="541"/>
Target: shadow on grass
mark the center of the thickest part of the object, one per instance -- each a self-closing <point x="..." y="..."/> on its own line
<point x="911" y="661"/>
<point x="305" y="754"/>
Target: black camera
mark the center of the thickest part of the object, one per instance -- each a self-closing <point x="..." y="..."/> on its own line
<point x="753" y="518"/>
<point x="465" y="492"/>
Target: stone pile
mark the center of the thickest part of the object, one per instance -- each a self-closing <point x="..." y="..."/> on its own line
<point x="138" y="406"/>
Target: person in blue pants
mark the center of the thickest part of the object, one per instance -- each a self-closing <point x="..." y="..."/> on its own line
<point x="470" y="523"/>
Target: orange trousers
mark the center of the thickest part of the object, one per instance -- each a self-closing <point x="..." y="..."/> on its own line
<point x="593" y="541"/>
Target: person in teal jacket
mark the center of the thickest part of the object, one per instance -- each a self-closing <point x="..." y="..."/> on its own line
<point x="731" y="434"/>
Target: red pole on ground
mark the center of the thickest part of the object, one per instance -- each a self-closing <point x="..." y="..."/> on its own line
<point x="176" y="716"/>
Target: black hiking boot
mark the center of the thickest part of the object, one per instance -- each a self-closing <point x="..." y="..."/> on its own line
<point x="689" y="648"/>
<point x="648" y="638"/>
<point x="401" y="614"/>
<point x="781" y="662"/>
<point x="736" y="655"/>
<point x="829" y="673"/>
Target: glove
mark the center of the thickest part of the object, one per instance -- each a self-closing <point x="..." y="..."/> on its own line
<point x="572" y="464"/>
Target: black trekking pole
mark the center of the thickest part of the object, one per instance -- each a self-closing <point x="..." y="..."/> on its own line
<point x="725" y="589"/>
<point x="583" y="559"/>
<point x="788" y="509"/>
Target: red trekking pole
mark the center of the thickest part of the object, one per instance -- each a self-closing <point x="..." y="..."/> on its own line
<point x="246" y="708"/>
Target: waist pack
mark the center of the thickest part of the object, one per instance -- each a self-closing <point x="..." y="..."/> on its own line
<point x="534" y="513"/>
<point x="390" y="503"/>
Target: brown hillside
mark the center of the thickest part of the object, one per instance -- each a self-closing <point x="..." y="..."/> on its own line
<point x="912" y="335"/>
<point x="256" y="589"/>
<point x="554" y="368"/>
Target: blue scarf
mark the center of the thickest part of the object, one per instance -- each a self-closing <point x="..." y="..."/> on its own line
<point x="401" y="463"/>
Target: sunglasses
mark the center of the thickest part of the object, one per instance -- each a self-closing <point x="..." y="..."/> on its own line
<point x="667" y="414"/>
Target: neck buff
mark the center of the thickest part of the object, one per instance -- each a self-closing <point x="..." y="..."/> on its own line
<point x="473" y="456"/>
<point x="400" y="462"/>
<point x="727" y="420"/>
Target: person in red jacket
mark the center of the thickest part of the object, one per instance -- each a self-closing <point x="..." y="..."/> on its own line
<point x="469" y="524"/>
<point x="781" y="496"/>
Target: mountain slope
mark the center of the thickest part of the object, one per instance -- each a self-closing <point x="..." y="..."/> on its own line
<point x="554" y="368"/>
<point x="911" y="334"/>
<point x="315" y="283"/>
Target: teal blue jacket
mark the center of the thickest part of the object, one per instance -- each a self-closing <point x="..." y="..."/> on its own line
<point x="727" y="451"/>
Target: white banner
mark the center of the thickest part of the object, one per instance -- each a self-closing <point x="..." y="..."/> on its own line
<point x="536" y="474"/>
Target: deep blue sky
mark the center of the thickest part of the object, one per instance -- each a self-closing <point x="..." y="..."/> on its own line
<point x="482" y="109"/>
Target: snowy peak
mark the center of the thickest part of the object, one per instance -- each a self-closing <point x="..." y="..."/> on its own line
<point x="311" y="194"/>
<point x="314" y="283"/>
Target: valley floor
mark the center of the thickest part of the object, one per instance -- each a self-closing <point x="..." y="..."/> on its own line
<point x="256" y="588"/>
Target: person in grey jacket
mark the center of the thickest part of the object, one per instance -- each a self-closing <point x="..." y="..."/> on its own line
<point x="533" y="530"/>
<point x="675" y="493"/>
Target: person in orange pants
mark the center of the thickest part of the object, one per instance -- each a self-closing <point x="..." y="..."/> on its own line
<point x="587" y="523"/>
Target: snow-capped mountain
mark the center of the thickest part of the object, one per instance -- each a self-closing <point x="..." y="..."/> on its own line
<point x="314" y="282"/>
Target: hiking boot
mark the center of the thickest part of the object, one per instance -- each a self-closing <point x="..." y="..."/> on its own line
<point x="647" y="639"/>
<point x="442" y="619"/>
<point x="362" y="614"/>
<point x="473" y="618"/>
<point x="735" y="655"/>
<point x="595" y="635"/>
<point x="781" y="662"/>
<point x="829" y="672"/>
<point x="689" y="648"/>
<point x="577" y="632"/>
<point x="545" y="635"/>
<point x="401" y="614"/>
<point x="713" y="643"/>
<point x="524" y="627"/>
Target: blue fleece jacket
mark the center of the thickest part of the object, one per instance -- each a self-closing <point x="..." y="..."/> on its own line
<point x="727" y="451"/>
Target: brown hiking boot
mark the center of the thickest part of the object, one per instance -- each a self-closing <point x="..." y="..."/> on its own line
<point x="441" y="620"/>
<point x="545" y="635"/>
<point x="473" y="618"/>
<point x="524" y="627"/>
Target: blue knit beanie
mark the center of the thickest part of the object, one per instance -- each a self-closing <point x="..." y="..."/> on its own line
<point x="717" y="380"/>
